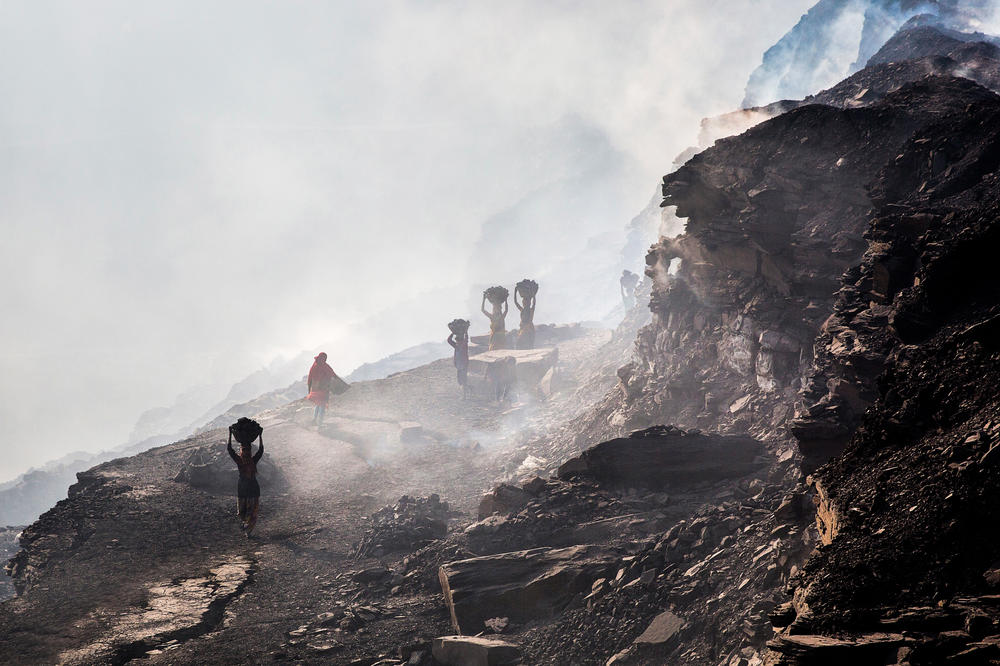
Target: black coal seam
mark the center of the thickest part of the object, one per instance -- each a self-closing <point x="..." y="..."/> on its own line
<point x="210" y="619"/>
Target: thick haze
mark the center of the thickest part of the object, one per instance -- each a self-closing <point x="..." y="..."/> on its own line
<point x="188" y="190"/>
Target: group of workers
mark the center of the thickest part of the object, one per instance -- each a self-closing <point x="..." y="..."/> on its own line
<point x="322" y="381"/>
<point x="500" y="371"/>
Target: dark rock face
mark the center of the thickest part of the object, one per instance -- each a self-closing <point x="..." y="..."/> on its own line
<point x="947" y="162"/>
<point x="775" y="216"/>
<point x="575" y="512"/>
<point x="503" y="499"/>
<point x="908" y="511"/>
<point x="521" y="586"/>
<point x="665" y="458"/>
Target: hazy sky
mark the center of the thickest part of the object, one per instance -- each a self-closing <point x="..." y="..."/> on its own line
<point x="188" y="189"/>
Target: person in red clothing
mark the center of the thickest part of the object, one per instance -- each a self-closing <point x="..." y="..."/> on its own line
<point x="247" y="490"/>
<point x="322" y="380"/>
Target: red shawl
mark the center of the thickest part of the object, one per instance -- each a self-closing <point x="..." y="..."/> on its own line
<point x="320" y="376"/>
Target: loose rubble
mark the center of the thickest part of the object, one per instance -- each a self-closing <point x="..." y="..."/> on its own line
<point x="409" y="524"/>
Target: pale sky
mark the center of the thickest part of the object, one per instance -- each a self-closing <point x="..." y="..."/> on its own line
<point x="189" y="189"/>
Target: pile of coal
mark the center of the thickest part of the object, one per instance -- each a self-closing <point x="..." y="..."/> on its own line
<point x="496" y="295"/>
<point x="527" y="288"/>
<point x="245" y="430"/>
<point x="459" y="326"/>
<point x="409" y="524"/>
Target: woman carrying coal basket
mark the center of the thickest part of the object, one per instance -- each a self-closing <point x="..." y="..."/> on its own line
<point x="459" y="339"/>
<point x="248" y="490"/>
<point x="497" y="296"/>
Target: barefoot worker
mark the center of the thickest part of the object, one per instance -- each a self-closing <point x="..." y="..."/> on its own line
<point x="497" y="296"/>
<point x="528" y="290"/>
<point x="322" y="380"/>
<point x="459" y="339"/>
<point x="248" y="491"/>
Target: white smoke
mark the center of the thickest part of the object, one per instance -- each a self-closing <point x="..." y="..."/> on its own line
<point x="189" y="190"/>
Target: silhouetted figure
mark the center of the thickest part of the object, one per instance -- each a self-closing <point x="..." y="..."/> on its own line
<point x="459" y="339"/>
<point x="248" y="490"/>
<point x="628" y="281"/>
<point x="528" y="289"/>
<point x="497" y="297"/>
<point x="322" y="380"/>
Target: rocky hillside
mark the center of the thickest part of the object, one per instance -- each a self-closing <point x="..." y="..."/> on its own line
<point x="792" y="461"/>
<point x="905" y="514"/>
<point x="826" y="45"/>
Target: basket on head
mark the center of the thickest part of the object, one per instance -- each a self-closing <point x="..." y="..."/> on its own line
<point x="496" y="295"/>
<point x="245" y="430"/>
<point x="527" y="288"/>
<point x="459" y="326"/>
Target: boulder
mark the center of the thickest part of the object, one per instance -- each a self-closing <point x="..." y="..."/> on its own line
<point x="532" y="364"/>
<point x="210" y="468"/>
<point x="665" y="457"/>
<point x="534" y="485"/>
<point x="504" y="499"/>
<point x="522" y="585"/>
<point x="474" y="651"/>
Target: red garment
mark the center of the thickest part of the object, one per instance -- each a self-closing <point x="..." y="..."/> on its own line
<point x="320" y="377"/>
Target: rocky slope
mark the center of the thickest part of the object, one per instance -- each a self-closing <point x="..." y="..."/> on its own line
<point x="906" y="512"/>
<point x="776" y="217"/>
<point x="794" y="461"/>
<point x="9" y="546"/>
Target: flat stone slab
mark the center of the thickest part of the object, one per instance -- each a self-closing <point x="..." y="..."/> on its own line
<point x="666" y="457"/>
<point x="474" y="651"/>
<point x="663" y="627"/>
<point x="522" y="585"/>
<point x="532" y="364"/>
<point x="816" y="649"/>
